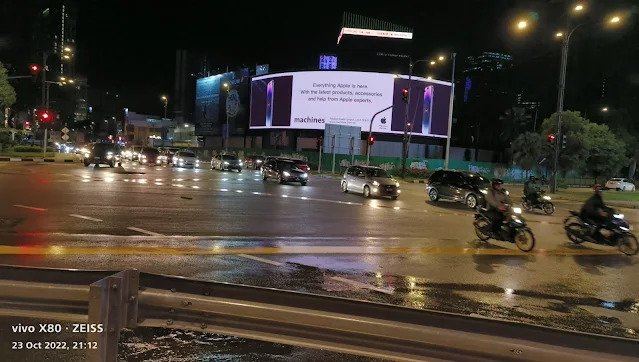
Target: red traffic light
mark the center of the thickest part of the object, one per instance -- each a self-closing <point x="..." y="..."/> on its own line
<point x="371" y="140"/>
<point x="45" y="115"/>
<point x="35" y="68"/>
<point x="551" y="137"/>
<point x="405" y="91"/>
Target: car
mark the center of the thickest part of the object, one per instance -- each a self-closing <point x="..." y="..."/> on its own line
<point x="303" y="165"/>
<point x="620" y="184"/>
<point x="166" y="155"/>
<point x="254" y="161"/>
<point x="285" y="171"/>
<point x="226" y="162"/>
<point x="102" y="153"/>
<point x="370" y="181"/>
<point x="185" y="159"/>
<point x="468" y="188"/>
<point x="149" y="156"/>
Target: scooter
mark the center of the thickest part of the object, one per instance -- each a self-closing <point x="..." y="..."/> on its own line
<point x="513" y="231"/>
<point x="579" y="231"/>
<point x="543" y="203"/>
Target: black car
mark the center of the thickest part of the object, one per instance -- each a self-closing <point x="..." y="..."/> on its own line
<point x="285" y="171"/>
<point x="102" y="153"/>
<point x="254" y="161"/>
<point x="467" y="187"/>
<point x="149" y="156"/>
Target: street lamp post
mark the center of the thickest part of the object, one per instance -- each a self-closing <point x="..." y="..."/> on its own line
<point x="450" y="113"/>
<point x="226" y="132"/>
<point x="165" y="100"/>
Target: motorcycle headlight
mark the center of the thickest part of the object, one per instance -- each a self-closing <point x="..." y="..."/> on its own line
<point x="507" y="193"/>
<point x="618" y="216"/>
<point x="375" y="183"/>
<point x="516" y="219"/>
<point x="546" y="197"/>
<point x="517" y="210"/>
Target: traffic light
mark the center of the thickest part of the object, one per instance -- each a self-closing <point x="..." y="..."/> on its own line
<point x="320" y="142"/>
<point x="563" y="142"/>
<point x="405" y="95"/>
<point x="45" y="117"/>
<point x="551" y="140"/>
<point x="371" y="140"/>
<point x="34" y="69"/>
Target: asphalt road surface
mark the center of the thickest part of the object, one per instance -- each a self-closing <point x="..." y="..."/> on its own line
<point x="234" y="227"/>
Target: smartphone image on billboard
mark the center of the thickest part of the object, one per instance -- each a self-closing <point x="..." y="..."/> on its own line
<point x="427" y="116"/>
<point x="269" y="103"/>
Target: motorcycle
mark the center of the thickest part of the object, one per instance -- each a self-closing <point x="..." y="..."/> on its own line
<point x="543" y="203"/>
<point x="514" y="229"/>
<point x="579" y="231"/>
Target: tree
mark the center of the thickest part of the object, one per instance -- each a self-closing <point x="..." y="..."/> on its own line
<point x="605" y="153"/>
<point x="621" y="124"/>
<point x="514" y="122"/>
<point x="7" y="93"/>
<point x="572" y="126"/>
<point x="528" y="150"/>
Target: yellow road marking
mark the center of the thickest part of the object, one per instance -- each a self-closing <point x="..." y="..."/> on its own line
<point x="327" y="250"/>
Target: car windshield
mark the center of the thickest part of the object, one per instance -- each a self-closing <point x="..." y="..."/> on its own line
<point x="229" y="157"/>
<point x="103" y="147"/>
<point x="377" y="173"/>
<point x="287" y="165"/>
<point x="479" y="181"/>
<point x="150" y="151"/>
<point x="187" y="154"/>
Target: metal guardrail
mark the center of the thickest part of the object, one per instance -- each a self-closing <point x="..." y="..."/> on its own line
<point x="131" y="299"/>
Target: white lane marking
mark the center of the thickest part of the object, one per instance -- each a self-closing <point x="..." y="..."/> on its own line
<point x="144" y="231"/>
<point x="256" y="258"/>
<point x="362" y="285"/>
<point x="30" y="207"/>
<point x="85" y="217"/>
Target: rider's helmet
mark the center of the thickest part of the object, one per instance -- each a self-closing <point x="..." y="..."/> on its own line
<point x="597" y="189"/>
<point x="497" y="182"/>
<point x="531" y="178"/>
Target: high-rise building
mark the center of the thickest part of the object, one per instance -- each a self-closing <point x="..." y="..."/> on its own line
<point x="55" y="36"/>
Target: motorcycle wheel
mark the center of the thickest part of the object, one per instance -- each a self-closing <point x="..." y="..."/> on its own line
<point x="548" y="208"/>
<point x="574" y="231"/>
<point x="526" y="206"/>
<point x="525" y="240"/>
<point x="481" y="224"/>
<point x="628" y="244"/>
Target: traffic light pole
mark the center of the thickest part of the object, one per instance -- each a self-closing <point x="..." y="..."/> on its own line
<point x="450" y="114"/>
<point x="405" y="140"/>
<point x="370" y="135"/>
<point x="45" y="100"/>
<point x="560" y="108"/>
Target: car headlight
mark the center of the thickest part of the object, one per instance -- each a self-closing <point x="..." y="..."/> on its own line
<point x="259" y="161"/>
<point x="109" y="157"/>
<point x="304" y="175"/>
<point x="86" y="155"/>
<point x="286" y="174"/>
<point x="516" y="210"/>
<point x="241" y="163"/>
<point x="483" y="192"/>
<point x="226" y="163"/>
<point x="618" y="216"/>
<point x="396" y="184"/>
<point x="181" y="160"/>
<point x="375" y="183"/>
<point x="546" y="197"/>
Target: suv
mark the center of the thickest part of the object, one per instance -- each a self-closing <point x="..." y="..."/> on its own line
<point x="461" y="186"/>
<point x="102" y="153"/>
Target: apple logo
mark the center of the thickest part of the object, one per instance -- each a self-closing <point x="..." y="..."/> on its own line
<point x="383" y="120"/>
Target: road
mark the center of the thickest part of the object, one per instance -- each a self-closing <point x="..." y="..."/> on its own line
<point x="234" y="227"/>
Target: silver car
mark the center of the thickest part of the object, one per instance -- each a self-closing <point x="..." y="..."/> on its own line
<point x="185" y="159"/>
<point x="370" y="181"/>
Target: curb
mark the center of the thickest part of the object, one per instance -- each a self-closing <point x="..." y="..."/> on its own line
<point x="18" y="159"/>
<point x="328" y="176"/>
<point x="416" y="182"/>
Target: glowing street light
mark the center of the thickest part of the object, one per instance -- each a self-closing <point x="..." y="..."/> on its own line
<point x="559" y="34"/>
<point x="604" y="109"/>
<point x="432" y="62"/>
<point x="579" y="8"/>
<point x="226" y="85"/>
<point x="615" y="19"/>
<point x="429" y="77"/>
<point x="522" y="24"/>
<point x="71" y="81"/>
<point x="66" y="57"/>
<point x="441" y="57"/>
<point x="67" y="49"/>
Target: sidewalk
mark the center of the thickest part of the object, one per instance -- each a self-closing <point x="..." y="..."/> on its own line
<point x="39" y="159"/>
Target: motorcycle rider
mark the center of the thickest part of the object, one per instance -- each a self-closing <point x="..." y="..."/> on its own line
<point x="531" y="189"/>
<point x="497" y="198"/>
<point x="594" y="209"/>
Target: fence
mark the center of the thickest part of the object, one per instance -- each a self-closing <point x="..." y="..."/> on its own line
<point x="416" y="166"/>
<point x="106" y="302"/>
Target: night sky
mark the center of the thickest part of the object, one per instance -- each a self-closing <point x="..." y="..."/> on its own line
<point x="130" y="45"/>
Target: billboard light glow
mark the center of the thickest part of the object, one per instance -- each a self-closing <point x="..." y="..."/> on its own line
<point x="311" y="100"/>
<point x="374" y="33"/>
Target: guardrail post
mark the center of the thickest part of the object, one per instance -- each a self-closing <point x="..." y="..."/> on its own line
<point x="113" y="304"/>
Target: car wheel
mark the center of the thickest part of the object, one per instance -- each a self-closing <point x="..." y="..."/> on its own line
<point x="433" y="195"/>
<point x="344" y="187"/>
<point x="367" y="191"/>
<point x="394" y="197"/>
<point x="264" y="176"/>
<point x="239" y="170"/>
<point x="281" y="179"/>
<point x="111" y="164"/>
<point x="303" y="183"/>
<point x="86" y="164"/>
<point x="471" y="201"/>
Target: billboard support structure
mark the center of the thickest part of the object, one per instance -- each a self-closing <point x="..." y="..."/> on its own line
<point x="333" y="151"/>
<point x="370" y="134"/>
<point x="319" y="164"/>
<point x="450" y="114"/>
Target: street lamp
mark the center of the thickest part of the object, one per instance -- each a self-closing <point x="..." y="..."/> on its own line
<point x="165" y="100"/>
<point x="615" y="19"/>
<point x="226" y="133"/>
<point x="579" y="8"/>
<point x="522" y="24"/>
<point x="604" y="109"/>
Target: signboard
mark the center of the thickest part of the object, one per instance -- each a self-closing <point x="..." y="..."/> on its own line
<point x="374" y="33"/>
<point x="328" y="62"/>
<point x="312" y="100"/>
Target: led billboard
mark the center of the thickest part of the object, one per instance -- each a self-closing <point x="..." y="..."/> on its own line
<point x="310" y="100"/>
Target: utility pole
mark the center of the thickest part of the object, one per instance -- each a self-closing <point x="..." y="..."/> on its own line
<point x="450" y="114"/>
<point x="45" y="99"/>
<point x="560" y="107"/>
<point x="405" y="140"/>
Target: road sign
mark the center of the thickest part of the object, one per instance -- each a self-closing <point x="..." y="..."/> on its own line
<point x="65" y="130"/>
<point x="65" y="137"/>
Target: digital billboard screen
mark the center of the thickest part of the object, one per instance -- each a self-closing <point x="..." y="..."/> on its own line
<point x="310" y="100"/>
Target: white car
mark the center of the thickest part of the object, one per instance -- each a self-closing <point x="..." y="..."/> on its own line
<point x="185" y="159"/>
<point x="620" y="184"/>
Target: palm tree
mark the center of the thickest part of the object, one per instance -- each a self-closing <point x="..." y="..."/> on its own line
<point x="514" y="122"/>
<point x="528" y="149"/>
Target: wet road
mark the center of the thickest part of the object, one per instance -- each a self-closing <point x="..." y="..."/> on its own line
<point x="233" y="227"/>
